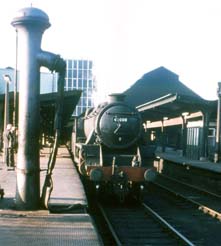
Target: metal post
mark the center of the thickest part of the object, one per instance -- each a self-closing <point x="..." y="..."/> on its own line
<point x="184" y="132"/>
<point x="163" y="134"/>
<point x="30" y="24"/>
<point x="15" y="83"/>
<point x="7" y="80"/>
<point x="217" y="146"/>
<point x="204" y="141"/>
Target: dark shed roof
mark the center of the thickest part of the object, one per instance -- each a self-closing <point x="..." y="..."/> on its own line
<point x="156" y="84"/>
<point x="159" y="94"/>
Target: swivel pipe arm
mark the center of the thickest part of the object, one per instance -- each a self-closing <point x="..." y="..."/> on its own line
<point x="54" y="63"/>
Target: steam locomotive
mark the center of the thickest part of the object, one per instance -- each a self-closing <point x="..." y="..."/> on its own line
<point x="106" y="148"/>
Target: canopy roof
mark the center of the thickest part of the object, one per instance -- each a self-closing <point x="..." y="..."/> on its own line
<point x="48" y="103"/>
<point x="47" y="106"/>
<point x="159" y="93"/>
<point x="175" y="105"/>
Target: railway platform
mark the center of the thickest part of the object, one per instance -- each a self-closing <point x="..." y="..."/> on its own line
<point x="68" y="223"/>
<point x="201" y="173"/>
<point x="175" y="157"/>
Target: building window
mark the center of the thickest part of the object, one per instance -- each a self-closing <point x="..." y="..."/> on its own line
<point x="80" y="64"/>
<point x="79" y="75"/>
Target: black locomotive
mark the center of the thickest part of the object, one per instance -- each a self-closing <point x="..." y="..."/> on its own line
<point x="106" y="147"/>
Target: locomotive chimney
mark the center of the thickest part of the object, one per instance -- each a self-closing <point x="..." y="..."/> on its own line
<point x="116" y="97"/>
<point x="30" y="24"/>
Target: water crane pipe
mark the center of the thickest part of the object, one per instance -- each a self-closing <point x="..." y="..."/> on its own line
<point x="30" y="24"/>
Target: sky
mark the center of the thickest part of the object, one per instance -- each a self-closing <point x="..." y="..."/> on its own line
<point x="128" y="38"/>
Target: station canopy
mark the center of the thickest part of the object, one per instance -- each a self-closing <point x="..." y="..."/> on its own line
<point x="159" y="93"/>
<point x="174" y="105"/>
<point x="48" y="104"/>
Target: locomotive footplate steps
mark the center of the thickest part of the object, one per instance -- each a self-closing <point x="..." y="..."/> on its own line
<point x="67" y="224"/>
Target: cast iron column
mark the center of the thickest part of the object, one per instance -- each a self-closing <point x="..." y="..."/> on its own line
<point x="30" y="24"/>
<point x="217" y="147"/>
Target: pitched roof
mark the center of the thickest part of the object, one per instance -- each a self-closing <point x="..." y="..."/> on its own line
<point x="155" y="84"/>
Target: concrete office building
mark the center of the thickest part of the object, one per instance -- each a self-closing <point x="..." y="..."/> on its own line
<point x="79" y="75"/>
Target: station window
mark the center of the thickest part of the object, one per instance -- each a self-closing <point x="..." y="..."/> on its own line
<point x="212" y="132"/>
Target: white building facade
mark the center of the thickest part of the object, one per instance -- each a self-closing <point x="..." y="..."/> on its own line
<point x="79" y="75"/>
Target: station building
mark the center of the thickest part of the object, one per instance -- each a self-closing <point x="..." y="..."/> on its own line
<point x="175" y="118"/>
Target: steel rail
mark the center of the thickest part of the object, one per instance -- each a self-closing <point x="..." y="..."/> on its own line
<point x="200" y="206"/>
<point x="169" y="227"/>
<point x="191" y="186"/>
<point x="116" y="238"/>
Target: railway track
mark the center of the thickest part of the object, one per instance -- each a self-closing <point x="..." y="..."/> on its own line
<point x="138" y="224"/>
<point x="191" y="217"/>
<point x="172" y="213"/>
<point x="204" y="200"/>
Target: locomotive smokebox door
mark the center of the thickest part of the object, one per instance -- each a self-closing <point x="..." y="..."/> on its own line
<point x="118" y="126"/>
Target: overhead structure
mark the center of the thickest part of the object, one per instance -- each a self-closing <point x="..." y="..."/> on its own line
<point x="174" y="105"/>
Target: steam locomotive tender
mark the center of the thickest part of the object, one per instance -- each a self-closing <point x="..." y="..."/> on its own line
<point x="106" y="149"/>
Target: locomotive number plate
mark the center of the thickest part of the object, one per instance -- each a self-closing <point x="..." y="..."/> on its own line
<point x="120" y="119"/>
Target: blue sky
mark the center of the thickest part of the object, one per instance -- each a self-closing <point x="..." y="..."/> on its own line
<point x="127" y="38"/>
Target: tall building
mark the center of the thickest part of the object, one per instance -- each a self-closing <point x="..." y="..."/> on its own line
<point x="79" y="75"/>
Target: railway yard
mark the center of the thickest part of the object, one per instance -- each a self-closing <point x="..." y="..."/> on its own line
<point x="172" y="212"/>
<point x="137" y="171"/>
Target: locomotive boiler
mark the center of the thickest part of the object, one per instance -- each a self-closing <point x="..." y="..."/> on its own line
<point x="106" y="148"/>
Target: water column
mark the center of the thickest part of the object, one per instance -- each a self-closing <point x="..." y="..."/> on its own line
<point x="30" y="24"/>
